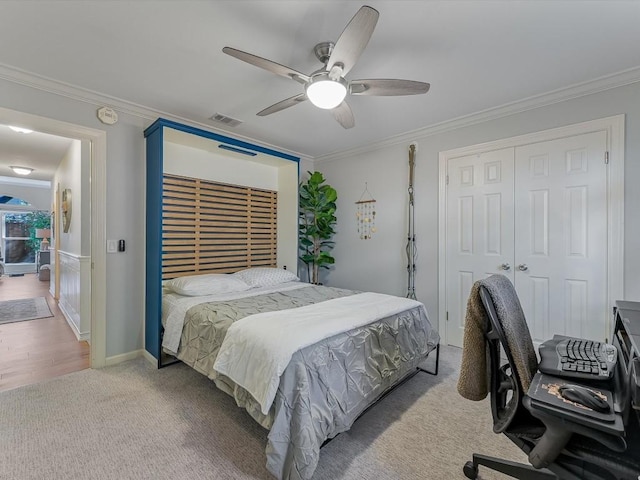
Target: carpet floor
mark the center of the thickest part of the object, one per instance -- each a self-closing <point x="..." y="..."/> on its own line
<point x="132" y="421"/>
<point x="24" y="309"/>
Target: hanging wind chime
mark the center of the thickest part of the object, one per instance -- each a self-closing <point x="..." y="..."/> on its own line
<point x="366" y="215"/>
<point x="412" y="251"/>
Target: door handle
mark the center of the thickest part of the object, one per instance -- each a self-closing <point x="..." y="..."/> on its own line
<point x="505" y="266"/>
<point x="523" y="267"/>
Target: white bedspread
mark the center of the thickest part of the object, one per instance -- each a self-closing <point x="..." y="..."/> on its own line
<point x="174" y="309"/>
<point x="258" y="348"/>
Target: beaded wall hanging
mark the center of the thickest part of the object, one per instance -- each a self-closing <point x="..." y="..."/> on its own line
<point x="366" y="215"/>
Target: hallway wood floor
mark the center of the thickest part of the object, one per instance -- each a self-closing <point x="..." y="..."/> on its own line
<point x="36" y="350"/>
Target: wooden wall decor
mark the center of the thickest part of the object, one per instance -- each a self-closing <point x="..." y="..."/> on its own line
<point x="209" y="227"/>
<point x="66" y="209"/>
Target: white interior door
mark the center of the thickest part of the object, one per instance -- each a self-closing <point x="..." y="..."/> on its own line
<point x="561" y="236"/>
<point x="479" y="227"/>
<point x="541" y="209"/>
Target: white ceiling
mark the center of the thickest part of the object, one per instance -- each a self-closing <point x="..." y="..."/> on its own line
<point x="167" y="56"/>
<point x="40" y="151"/>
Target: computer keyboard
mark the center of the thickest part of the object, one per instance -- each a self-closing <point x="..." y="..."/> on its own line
<point x="578" y="358"/>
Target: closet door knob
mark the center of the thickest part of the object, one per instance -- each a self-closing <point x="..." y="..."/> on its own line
<point x="523" y="267"/>
<point x="505" y="266"/>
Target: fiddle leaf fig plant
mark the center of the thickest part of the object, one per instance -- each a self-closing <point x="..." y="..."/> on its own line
<point x="317" y="206"/>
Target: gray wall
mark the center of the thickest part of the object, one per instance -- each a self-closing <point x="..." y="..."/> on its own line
<point x="69" y="175"/>
<point x="125" y="170"/>
<point x="125" y="204"/>
<point x="380" y="264"/>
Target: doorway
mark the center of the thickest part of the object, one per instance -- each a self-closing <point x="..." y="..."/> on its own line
<point x="40" y="334"/>
<point x="545" y="210"/>
<point x="95" y="141"/>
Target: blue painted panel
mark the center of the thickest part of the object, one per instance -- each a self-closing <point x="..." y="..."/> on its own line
<point x="153" y="288"/>
<point x="219" y="138"/>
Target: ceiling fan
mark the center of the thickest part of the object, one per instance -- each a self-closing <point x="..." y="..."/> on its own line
<point x="327" y="87"/>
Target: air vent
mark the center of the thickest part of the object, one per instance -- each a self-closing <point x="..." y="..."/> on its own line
<point x="228" y="121"/>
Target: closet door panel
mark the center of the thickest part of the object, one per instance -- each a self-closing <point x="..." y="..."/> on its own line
<point x="479" y="227"/>
<point x="560" y="240"/>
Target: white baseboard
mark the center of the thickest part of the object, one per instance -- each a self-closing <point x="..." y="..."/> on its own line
<point x="86" y="336"/>
<point x="150" y="358"/>
<point x="124" y="357"/>
<point x="19" y="268"/>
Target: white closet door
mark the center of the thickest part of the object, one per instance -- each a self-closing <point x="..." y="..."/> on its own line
<point x="561" y="238"/>
<point x="479" y="227"/>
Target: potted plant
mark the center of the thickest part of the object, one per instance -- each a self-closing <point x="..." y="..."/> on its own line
<point x="35" y="220"/>
<point x="317" y="220"/>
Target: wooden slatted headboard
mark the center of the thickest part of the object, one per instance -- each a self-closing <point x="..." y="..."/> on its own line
<point x="209" y="227"/>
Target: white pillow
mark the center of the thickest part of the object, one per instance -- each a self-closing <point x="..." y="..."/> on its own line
<point x="266" y="276"/>
<point x="206" y="284"/>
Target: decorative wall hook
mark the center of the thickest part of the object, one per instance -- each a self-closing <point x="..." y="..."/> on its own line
<point x="412" y="250"/>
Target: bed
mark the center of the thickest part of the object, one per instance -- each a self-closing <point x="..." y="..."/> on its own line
<point x="304" y="360"/>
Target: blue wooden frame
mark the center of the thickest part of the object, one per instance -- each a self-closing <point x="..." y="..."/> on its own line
<point x="155" y="163"/>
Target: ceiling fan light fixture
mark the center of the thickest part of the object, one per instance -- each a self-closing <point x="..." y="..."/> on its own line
<point x="327" y="88"/>
<point x="326" y="93"/>
<point x="22" y="170"/>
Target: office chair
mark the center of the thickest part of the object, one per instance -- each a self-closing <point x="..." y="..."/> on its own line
<point x="556" y="447"/>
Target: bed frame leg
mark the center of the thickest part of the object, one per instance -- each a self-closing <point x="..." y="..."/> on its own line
<point x="435" y="372"/>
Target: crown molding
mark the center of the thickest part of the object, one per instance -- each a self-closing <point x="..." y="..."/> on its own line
<point x="608" y="82"/>
<point x="25" y="182"/>
<point x="74" y="92"/>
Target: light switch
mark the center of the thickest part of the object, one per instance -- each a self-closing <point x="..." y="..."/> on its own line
<point x="112" y="246"/>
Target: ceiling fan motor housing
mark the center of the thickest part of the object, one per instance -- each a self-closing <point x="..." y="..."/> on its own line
<point x="323" y="51"/>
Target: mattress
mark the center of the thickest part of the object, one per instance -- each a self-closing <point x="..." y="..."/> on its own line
<point x="325" y="386"/>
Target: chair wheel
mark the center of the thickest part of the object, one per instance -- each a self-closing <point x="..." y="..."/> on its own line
<point x="470" y="470"/>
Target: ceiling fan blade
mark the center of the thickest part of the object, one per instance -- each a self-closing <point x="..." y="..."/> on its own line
<point x="286" y="103"/>
<point x="387" y="87"/>
<point x="354" y="39"/>
<point x="343" y="114"/>
<point x="268" y="65"/>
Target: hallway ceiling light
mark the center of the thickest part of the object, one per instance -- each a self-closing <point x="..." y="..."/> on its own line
<point x="22" y="170"/>
<point x="20" y="129"/>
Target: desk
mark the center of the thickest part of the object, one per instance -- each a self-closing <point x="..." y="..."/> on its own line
<point x="544" y="397"/>
<point x="617" y="430"/>
<point x="626" y="337"/>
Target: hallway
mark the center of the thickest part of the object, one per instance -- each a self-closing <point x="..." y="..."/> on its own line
<point x="36" y="350"/>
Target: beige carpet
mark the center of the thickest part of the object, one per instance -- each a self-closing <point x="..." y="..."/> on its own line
<point x="24" y="309"/>
<point x="132" y="421"/>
